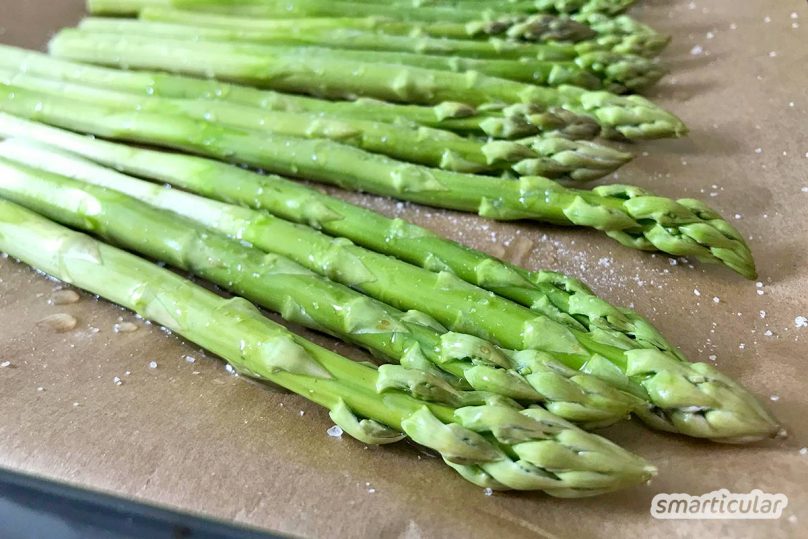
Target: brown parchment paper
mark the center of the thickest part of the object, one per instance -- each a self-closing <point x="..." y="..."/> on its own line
<point x="190" y="436"/>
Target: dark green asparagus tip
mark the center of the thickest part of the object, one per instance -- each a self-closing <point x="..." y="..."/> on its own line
<point x="549" y="28"/>
<point x="622" y="73"/>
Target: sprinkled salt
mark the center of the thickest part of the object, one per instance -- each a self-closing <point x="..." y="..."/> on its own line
<point x="190" y="359"/>
<point x="716" y="299"/>
<point x="697" y="50"/>
<point x="710" y="35"/>
<point x="767" y="19"/>
<point x="117" y="381"/>
<point x="488" y="491"/>
<point x="768" y="333"/>
<point x="371" y="490"/>
<point x="696" y="291"/>
<point x="733" y="26"/>
<point x="772" y="54"/>
<point x="301" y="413"/>
<point x="763" y="314"/>
<point x="335" y="431"/>
<point x="741" y="346"/>
<point x="5" y="364"/>
<point x="152" y="364"/>
<point x="801" y="322"/>
<point x="804" y="189"/>
<point x="40" y="388"/>
<point x="712" y="357"/>
<point x="804" y="451"/>
<point x="775" y="398"/>
<point x="758" y="150"/>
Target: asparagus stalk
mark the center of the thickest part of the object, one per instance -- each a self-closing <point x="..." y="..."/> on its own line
<point x="436" y="37"/>
<point x="693" y="399"/>
<point x="508" y="122"/>
<point x="552" y="157"/>
<point x="628" y="214"/>
<point x="396" y="10"/>
<point x="612" y="7"/>
<point x="592" y="70"/>
<point x="299" y="295"/>
<point x="490" y="445"/>
<point x="632" y="117"/>
<point x="543" y="73"/>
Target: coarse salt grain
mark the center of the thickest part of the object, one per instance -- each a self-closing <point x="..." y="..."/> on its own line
<point x="488" y="491"/>
<point x="5" y="364"/>
<point x="152" y="364"/>
<point x="335" y="431"/>
<point x="801" y="322"/>
<point x="696" y="291"/>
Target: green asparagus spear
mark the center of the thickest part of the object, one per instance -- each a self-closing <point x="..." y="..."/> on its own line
<point x="509" y="122"/>
<point x="490" y="445"/>
<point x="632" y="117"/>
<point x="627" y="214"/>
<point x="299" y="295"/>
<point x="437" y="38"/>
<point x="612" y="7"/>
<point x="548" y="156"/>
<point x="683" y="397"/>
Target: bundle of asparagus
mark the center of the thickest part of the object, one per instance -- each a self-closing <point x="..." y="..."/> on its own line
<point x="552" y="38"/>
<point x="592" y="70"/>
<point x="628" y="214"/>
<point x="495" y="367"/>
<point x="548" y="155"/>
<point x="666" y="391"/>
<point x="543" y="37"/>
<point x="494" y="445"/>
<point x="632" y="117"/>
